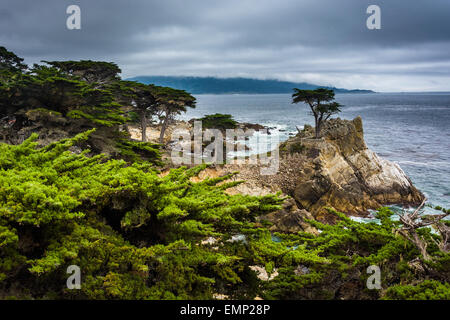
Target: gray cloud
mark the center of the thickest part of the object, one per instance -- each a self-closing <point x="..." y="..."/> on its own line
<point x="320" y="41"/>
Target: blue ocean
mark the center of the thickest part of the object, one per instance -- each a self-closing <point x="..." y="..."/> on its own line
<point x="411" y="129"/>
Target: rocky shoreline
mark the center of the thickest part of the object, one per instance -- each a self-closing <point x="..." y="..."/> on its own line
<point x="337" y="171"/>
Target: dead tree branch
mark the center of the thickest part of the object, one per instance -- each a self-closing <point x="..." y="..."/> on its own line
<point x="413" y="221"/>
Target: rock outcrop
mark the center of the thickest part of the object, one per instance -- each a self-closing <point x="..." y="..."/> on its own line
<point x="290" y="219"/>
<point x="341" y="172"/>
<point x="337" y="171"/>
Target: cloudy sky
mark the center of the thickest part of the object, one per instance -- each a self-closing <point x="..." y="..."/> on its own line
<point x="325" y="42"/>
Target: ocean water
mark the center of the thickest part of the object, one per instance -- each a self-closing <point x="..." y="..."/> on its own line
<point x="411" y="129"/>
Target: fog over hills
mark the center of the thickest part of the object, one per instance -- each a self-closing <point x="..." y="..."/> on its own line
<point x="212" y="85"/>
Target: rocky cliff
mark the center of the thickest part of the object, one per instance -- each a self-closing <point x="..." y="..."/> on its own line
<point x="341" y="172"/>
<point x="337" y="171"/>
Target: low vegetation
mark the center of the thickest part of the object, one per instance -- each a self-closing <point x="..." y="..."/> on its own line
<point x="218" y="121"/>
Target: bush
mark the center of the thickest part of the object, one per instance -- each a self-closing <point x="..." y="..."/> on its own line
<point x="134" y="151"/>
<point x="296" y="148"/>
<point x="218" y="121"/>
<point x="426" y="290"/>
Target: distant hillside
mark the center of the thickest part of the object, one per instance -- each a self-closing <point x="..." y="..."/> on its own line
<point x="199" y="85"/>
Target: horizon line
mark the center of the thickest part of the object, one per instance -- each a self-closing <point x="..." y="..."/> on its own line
<point x="279" y="80"/>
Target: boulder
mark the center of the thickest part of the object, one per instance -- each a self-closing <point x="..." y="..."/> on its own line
<point x="341" y="172"/>
<point x="290" y="219"/>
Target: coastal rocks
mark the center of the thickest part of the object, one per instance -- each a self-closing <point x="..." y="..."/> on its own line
<point x="337" y="171"/>
<point x="341" y="172"/>
<point x="251" y="126"/>
<point x="290" y="219"/>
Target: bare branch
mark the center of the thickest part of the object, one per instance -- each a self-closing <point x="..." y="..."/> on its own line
<point x="412" y="221"/>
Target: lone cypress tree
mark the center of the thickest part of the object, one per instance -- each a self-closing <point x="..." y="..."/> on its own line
<point x="321" y="103"/>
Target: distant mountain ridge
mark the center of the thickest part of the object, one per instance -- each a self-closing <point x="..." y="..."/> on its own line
<point x="213" y="85"/>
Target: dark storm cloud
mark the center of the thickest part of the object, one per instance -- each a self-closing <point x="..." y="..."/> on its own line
<point x="321" y="41"/>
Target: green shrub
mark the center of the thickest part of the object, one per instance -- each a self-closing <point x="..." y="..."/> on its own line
<point x="218" y="121"/>
<point x="296" y="148"/>
<point x="135" y="151"/>
<point x="426" y="290"/>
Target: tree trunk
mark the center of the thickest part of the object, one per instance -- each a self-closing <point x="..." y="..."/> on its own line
<point x="163" y="130"/>
<point x="318" y="123"/>
<point x="144" y="127"/>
